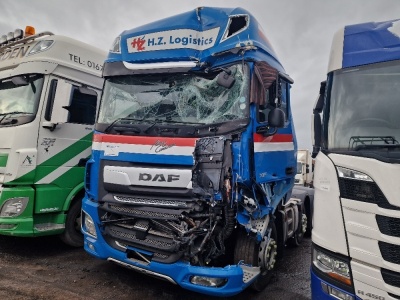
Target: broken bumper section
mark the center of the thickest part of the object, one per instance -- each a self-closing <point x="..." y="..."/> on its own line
<point x="214" y="281"/>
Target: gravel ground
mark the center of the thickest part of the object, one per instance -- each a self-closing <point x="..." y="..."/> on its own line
<point x="44" y="268"/>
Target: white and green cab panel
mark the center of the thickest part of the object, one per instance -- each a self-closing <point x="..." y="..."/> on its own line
<point x="49" y="92"/>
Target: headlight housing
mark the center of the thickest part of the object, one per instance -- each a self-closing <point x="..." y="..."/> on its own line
<point x="88" y="225"/>
<point x="208" y="281"/>
<point x="332" y="266"/>
<point x="13" y="207"/>
<point x="41" y="46"/>
<point x="352" y="174"/>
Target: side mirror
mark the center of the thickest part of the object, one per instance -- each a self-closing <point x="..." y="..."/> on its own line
<point x="19" y="81"/>
<point x="225" y="79"/>
<point x="317" y="132"/>
<point x="317" y="123"/>
<point x="276" y="118"/>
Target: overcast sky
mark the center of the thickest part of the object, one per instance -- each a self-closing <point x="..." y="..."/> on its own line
<point x="300" y="31"/>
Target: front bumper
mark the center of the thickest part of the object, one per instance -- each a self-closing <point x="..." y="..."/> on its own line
<point x="238" y="277"/>
<point x="320" y="290"/>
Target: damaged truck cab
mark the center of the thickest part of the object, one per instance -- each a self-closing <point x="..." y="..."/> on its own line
<point x="194" y="154"/>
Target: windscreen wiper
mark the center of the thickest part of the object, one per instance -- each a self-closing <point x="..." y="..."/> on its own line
<point x="372" y="142"/>
<point x="4" y="115"/>
<point x="109" y="127"/>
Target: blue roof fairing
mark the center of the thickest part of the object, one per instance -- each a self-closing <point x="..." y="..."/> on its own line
<point x="371" y="43"/>
<point x="198" y="35"/>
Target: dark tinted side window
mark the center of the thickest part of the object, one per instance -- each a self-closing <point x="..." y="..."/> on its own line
<point x="82" y="109"/>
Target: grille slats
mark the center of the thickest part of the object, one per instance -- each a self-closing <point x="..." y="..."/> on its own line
<point x="145" y="213"/>
<point x="150" y="241"/>
<point x="390" y="252"/>
<point x="391" y="277"/>
<point x="388" y="225"/>
<point x="151" y="202"/>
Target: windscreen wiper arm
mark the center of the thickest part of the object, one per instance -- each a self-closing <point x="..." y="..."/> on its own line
<point x="4" y="115"/>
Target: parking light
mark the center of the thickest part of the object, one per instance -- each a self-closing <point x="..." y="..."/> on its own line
<point x="208" y="281"/>
<point x="335" y="293"/>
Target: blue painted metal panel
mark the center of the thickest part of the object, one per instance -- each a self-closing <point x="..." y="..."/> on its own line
<point x="194" y="35"/>
<point x="371" y="43"/>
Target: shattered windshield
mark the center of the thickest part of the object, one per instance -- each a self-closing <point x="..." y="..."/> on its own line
<point x="177" y="98"/>
<point x="19" y="97"/>
<point x="364" y="109"/>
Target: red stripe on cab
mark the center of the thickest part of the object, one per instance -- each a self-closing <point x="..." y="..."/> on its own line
<point x="143" y="140"/>
<point x="276" y="138"/>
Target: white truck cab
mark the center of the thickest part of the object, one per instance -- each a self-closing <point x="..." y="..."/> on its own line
<point x="49" y="91"/>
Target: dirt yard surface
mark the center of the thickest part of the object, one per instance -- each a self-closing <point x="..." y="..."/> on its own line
<point x="44" y="268"/>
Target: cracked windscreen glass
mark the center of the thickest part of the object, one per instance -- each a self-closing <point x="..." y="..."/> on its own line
<point x="18" y="99"/>
<point x="176" y="98"/>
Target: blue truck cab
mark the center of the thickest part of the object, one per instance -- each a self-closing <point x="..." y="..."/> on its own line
<point x="194" y="154"/>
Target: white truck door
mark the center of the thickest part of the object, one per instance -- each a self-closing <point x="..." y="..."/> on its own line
<point x="65" y="134"/>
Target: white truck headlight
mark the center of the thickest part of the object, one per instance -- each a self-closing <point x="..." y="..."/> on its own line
<point x="13" y="207"/>
<point x="332" y="267"/>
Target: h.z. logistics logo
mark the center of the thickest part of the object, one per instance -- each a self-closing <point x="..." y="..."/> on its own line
<point x="173" y="39"/>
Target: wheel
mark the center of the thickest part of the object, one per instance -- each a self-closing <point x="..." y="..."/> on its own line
<point x="262" y="254"/>
<point x="298" y="237"/>
<point x="72" y="234"/>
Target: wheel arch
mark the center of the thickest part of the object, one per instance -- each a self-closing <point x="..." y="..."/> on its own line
<point x="76" y="194"/>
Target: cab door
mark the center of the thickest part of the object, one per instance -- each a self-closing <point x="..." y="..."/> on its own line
<point x="65" y="138"/>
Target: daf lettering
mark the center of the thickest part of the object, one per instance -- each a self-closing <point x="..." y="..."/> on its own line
<point x="158" y="177"/>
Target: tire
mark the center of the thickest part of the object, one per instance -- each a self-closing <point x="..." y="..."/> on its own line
<point x="248" y="250"/>
<point x="72" y="234"/>
<point x="298" y="237"/>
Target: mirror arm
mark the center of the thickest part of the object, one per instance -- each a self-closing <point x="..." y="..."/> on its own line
<point x="49" y="125"/>
<point x="264" y="130"/>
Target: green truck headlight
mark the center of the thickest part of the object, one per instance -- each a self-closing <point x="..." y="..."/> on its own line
<point x="13" y="207"/>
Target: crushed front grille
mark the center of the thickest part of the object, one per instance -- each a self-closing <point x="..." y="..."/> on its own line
<point x="150" y="240"/>
<point x="151" y="202"/>
<point x="146" y="213"/>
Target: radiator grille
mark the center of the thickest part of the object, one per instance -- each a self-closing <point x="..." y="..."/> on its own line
<point x="388" y="225"/>
<point x="144" y="213"/>
<point x="390" y="277"/>
<point x="152" y="202"/>
<point x="390" y="252"/>
<point x="159" y="244"/>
